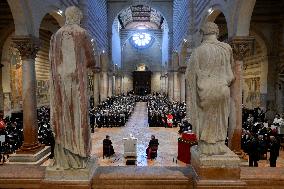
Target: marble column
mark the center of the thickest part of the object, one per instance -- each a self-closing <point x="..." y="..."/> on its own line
<point x="242" y="47"/>
<point x="182" y="83"/>
<point x="171" y="85"/>
<point x="176" y="87"/>
<point x="28" y="47"/>
<point x="104" y="77"/>
<point x="110" y="84"/>
<point x="96" y="72"/>
<point x="272" y="83"/>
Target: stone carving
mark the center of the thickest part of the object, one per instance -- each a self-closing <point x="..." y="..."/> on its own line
<point x="70" y="56"/>
<point x="209" y="77"/>
<point x="28" y="46"/>
<point x="242" y="47"/>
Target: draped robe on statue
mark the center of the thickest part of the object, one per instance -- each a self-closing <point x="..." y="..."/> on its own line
<point x="209" y="76"/>
<point x="70" y="55"/>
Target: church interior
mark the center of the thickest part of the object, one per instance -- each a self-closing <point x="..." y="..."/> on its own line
<point x="138" y="90"/>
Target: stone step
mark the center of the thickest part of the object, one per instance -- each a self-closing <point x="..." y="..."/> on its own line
<point x="125" y="177"/>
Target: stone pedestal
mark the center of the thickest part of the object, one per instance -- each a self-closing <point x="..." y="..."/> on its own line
<point x="216" y="171"/>
<point x="31" y="159"/>
<point x="71" y="178"/>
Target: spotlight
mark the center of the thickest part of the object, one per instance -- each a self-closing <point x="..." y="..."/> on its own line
<point x="60" y="12"/>
<point x="210" y="10"/>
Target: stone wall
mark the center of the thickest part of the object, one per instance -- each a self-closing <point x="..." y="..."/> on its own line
<point x="181" y="22"/>
<point x="97" y="23"/>
<point x="151" y="57"/>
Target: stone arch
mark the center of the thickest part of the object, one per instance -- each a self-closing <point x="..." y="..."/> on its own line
<point x="255" y="72"/>
<point x="242" y="18"/>
<point x="216" y="10"/>
<point x="49" y="25"/>
<point x="22" y="18"/>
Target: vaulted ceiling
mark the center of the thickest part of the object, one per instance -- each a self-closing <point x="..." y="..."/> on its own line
<point x="141" y="14"/>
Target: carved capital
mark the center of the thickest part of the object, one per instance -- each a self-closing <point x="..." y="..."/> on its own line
<point x="182" y="69"/>
<point x="242" y="47"/>
<point x="28" y="46"/>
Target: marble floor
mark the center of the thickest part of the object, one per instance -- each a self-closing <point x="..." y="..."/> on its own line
<point x="137" y="125"/>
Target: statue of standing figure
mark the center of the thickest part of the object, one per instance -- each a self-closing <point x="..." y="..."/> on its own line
<point x="209" y="76"/>
<point x="71" y="53"/>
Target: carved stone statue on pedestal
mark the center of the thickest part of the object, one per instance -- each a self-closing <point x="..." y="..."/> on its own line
<point x="209" y="77"/>
<point x="71" y="53"/>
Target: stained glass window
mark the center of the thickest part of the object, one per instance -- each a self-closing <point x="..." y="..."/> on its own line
<point x="142" y="40"/>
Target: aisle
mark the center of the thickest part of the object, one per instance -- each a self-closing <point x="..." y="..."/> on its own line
<point x="138" y="126"/>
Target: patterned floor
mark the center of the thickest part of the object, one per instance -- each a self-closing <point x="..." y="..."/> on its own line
<point x="138" y="126"/>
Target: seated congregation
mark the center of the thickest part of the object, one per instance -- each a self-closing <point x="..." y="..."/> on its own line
<point x="113" y="112"/>
<point x="164" y="113"/>
<point x="261" y="136"/>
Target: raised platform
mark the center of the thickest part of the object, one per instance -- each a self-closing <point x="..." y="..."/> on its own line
<point x="143" y="177"/>
<point x="71" y="178"/>
<point x="31" y="176"/>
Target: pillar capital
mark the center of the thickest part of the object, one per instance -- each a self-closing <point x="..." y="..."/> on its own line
<point x="28" y="46"/>
<point x="96" y="69"/>
<point x="243" y="46"/>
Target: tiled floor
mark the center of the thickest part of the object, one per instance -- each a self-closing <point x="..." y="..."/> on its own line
<point x="138" y="126"/>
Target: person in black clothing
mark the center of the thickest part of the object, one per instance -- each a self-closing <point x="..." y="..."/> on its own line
<point x="152" y="148"/>
<point x="253" y="151"/>
<point x="274" y="151"/>
<point x="107" y="147"/>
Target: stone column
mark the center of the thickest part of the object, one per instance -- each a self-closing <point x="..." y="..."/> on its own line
<point x="272" y="84"/>
<point x="176" y="87"/>
<point x="1" y="92"/>
<point x="96" y="72"/>
<point x="28" y="47"/>
<point x="110" y="84"/>
<point x="170" y="85"/>
<point x="104" y="77"/>
<point x="182" y="83"/>
<point x="242" y="47"/>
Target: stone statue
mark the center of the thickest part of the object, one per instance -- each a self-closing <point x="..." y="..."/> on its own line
<point x="71" y="53"/>
<point x="209" y="77"/>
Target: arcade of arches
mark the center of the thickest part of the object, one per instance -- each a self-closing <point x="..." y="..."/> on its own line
<point x="143" y="46"/>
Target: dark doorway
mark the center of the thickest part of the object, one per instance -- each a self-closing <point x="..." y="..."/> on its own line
<point x="142" y="82"/>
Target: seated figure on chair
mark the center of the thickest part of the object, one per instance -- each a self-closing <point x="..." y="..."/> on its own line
<point x="107" y="147"/>
<point x="152" y="148"/>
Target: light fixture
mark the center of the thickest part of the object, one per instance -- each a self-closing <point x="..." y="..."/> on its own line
<point x="103" y="51"/>
<point x="60" y="12"/>
<point x="185" y="40"/>
<point x="210" y="10"/>
<point x="92" y="40"/>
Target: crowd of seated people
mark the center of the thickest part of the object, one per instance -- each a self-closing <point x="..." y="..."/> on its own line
<point x="260" y="135"/>
<point x="113" y="112"/>
<point x="164" y="113"/>
<point x="12" y="130"/>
